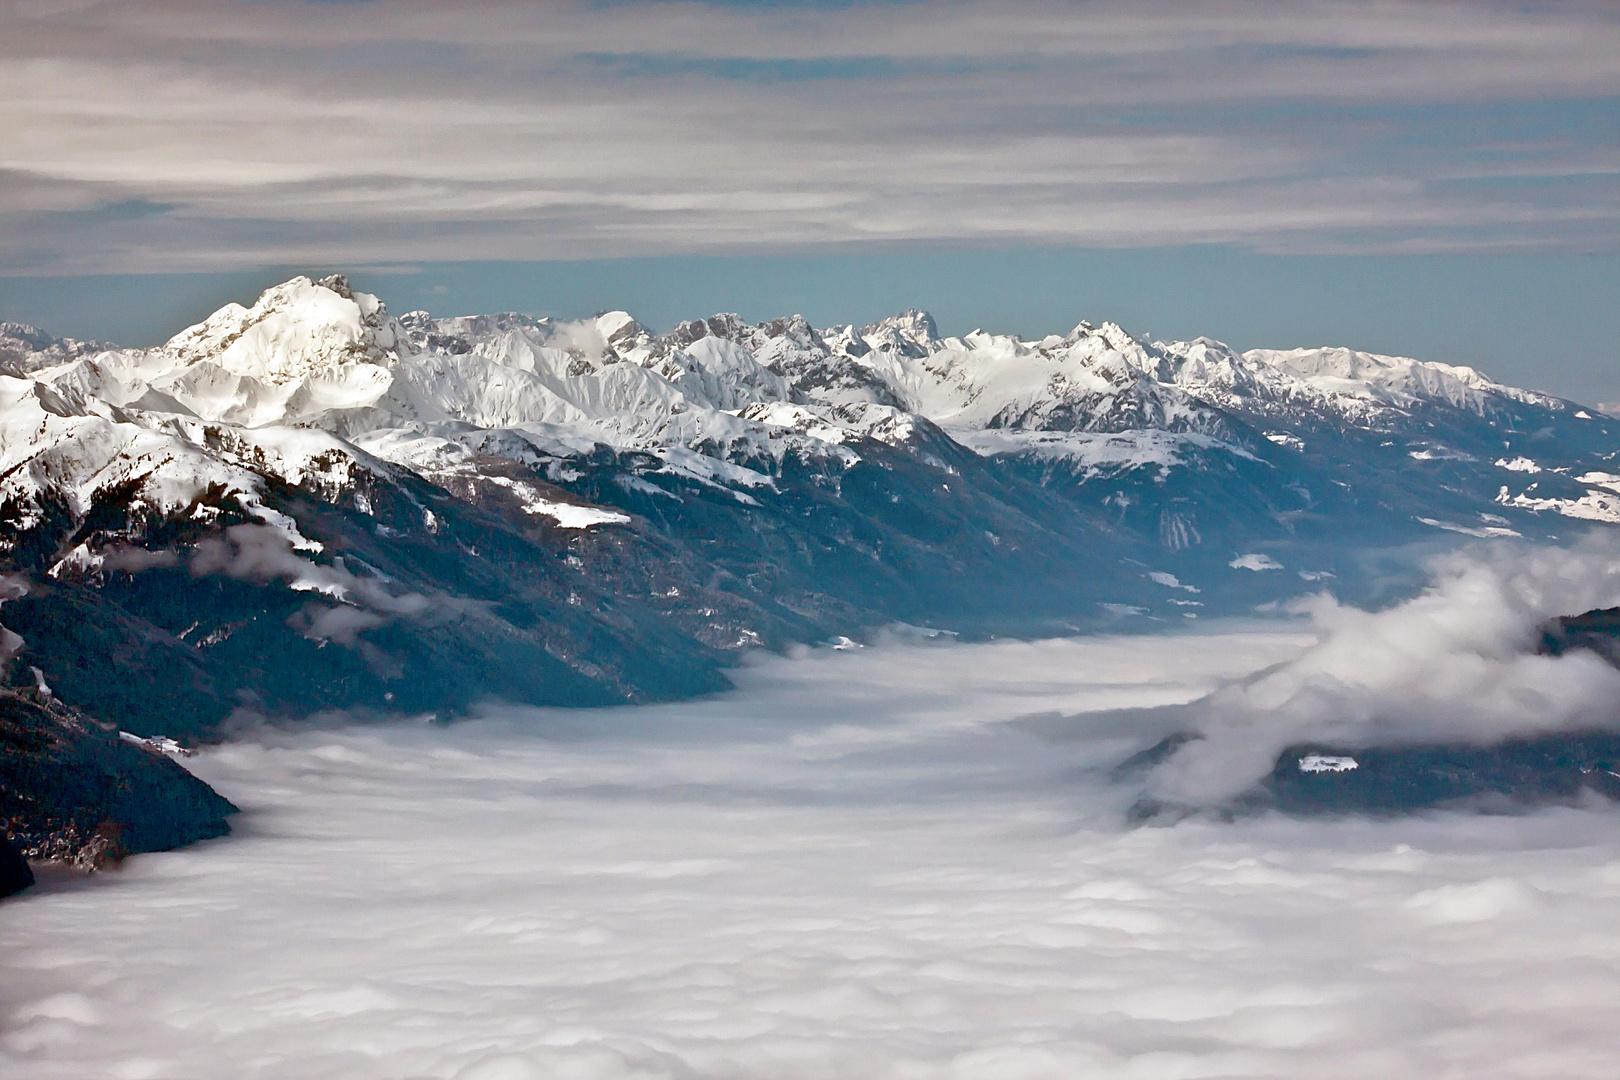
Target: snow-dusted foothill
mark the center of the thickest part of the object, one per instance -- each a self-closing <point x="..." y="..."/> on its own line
<point x="311" y="502"/>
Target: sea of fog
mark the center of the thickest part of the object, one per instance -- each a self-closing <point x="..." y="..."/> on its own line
<point x="906" y="861"/>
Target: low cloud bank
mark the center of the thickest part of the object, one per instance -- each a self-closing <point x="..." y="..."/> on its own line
<point x="897" y="863"/>
<point x="1455" y="664"/>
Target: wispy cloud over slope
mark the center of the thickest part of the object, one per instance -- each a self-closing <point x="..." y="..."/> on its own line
<point x="188" y="136"/>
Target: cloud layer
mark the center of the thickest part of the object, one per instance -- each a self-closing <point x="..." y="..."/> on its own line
<point x="856" y="865"/>
<point x="178" y="136"/>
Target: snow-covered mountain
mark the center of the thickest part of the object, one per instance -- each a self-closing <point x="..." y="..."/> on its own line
<point x="606" y="511"/>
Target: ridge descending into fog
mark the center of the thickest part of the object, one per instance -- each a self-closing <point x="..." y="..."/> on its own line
<point x="587" y="511"/>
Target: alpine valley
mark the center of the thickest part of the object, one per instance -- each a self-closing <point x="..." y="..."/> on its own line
<point x="311" y="504"/>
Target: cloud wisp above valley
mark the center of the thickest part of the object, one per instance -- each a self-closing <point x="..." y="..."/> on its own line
<point x="182" y="136"/>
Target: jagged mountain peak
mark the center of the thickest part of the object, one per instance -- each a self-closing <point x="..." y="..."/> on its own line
<point x="620" y="329"/>
<point x="292" y="330"/>
<point x="1115" y="336"/>
<point x="910" y="333"/>
<point x="794" y="327"/>
<point x="338" y="283"/>
<point x="24" y="336"/>
<point x="25" y="348"/>
<point x="915" y="323"/>
<point x="20" y="343"/>
<point x="727" y="325"/>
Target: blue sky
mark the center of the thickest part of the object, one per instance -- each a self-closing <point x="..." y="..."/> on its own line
<point x="1438" y="179"/>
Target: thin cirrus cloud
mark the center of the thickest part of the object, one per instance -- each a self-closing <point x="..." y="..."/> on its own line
<point x="186" y="136"/>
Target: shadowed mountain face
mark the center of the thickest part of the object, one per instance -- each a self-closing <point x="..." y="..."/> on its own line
<point x="74" y="790"/>
<point x="312" y="504"/>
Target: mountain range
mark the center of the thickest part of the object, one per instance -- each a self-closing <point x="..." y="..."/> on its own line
<point x="312" y="504"/>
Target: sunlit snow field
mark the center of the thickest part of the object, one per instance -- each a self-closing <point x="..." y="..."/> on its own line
<point x="862" y="865"/>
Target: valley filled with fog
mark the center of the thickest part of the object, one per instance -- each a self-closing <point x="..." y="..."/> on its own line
<point x="908" y="860"/>
<point x="832" y="540"/>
